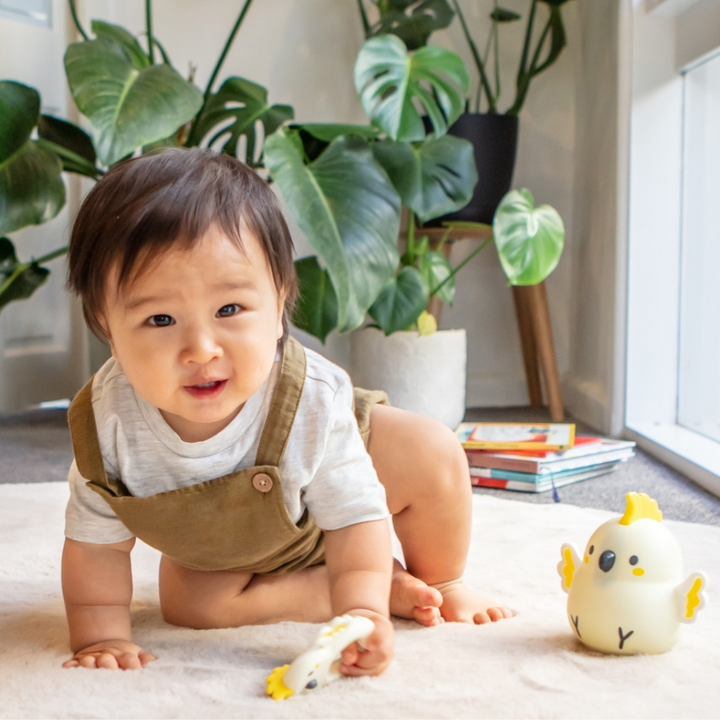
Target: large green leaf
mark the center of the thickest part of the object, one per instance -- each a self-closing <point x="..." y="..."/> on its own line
<point x="400" y="303"/>
<point x="413" y="21"/>
<point x="529" y="239"/>
<point x="434" y="178"/>
<point x="18" y="281"/>
<point x="235" y="109"/>
<point x="31" y="189"/>
<point x="316" y="308"/>
<point x="135" y="54"/>
<point x="389" y="81"/>
<point x="347" y="207"/>
<point x="19" y="110"/>
<point x="127" y="108"/>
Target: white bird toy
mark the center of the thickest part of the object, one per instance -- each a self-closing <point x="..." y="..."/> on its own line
<point x="319" y="665"/>
<point x="627" y="594"/>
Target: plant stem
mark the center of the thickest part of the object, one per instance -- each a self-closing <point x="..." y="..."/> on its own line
<point x="364" y="17"/>
<point x="476" y="57"/>
<point x="526" y="46"/>
<point x="76" y="20"/>
<point x="52" y="255"/>
<point x="410" y="249"/>
<point x="524" y="85"/>
<point x="148" y="27"/>
<point x="226" y="49"/>
<point x="496" y="33"/>
<point x="461" y="265"/>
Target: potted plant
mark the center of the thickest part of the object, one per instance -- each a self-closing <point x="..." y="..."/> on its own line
<point x="345" y="186"/>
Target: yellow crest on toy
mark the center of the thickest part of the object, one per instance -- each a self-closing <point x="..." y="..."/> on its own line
<point x="640" y="506"/>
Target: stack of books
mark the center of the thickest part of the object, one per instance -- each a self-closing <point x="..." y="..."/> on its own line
<point x="537" y="457"/>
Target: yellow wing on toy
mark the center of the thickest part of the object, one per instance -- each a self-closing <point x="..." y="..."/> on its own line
<point x="568" y="566"/>
<point x="692" y="597"/>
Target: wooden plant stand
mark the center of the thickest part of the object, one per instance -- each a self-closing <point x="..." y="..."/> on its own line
<point x="533" y="318"/>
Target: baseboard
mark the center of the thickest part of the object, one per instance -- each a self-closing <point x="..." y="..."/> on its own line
<point x="485" y="390"/>
<point x="586" y="402"/>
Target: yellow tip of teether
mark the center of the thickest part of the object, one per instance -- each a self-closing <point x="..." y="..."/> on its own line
<point x="276" y="688"/>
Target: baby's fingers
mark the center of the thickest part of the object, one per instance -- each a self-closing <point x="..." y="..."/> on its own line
<point x="370" y="662"/>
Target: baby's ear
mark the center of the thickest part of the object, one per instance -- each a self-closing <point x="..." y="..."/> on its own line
<point x="104" y="326"/>
<point x="281" y="313"/>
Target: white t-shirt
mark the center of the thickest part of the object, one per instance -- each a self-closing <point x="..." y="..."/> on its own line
<point x="325" y="467"/>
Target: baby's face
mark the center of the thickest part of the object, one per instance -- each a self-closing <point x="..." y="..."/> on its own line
<point x="197" y="332"/>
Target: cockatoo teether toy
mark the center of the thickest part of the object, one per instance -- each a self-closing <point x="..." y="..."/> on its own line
<point x="319" y="665"/>
<point x="627" y="594"/>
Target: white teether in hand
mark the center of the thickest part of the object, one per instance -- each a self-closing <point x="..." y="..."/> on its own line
<point x="319" y="665"/>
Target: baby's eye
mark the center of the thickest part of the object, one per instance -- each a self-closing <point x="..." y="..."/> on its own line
<point x="228" y="310"/>
<point x="160" y="320"/>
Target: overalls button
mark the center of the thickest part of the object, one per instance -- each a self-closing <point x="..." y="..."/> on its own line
<point x="262" y="482"/>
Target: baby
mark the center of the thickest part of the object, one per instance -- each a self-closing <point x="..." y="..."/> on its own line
<point x="211" y="434"/>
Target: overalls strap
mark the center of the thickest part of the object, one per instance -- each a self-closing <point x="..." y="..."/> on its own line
<point x="284" y="404"/>
<point x="86" y="446"/>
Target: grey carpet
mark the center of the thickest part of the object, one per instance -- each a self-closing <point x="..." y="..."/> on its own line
<point x="35" y="447"/>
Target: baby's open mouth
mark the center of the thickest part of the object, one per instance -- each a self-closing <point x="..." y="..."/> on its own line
<point x="207" y="389"/>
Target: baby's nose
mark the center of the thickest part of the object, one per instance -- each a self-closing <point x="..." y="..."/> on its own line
<point x="607" y="560"/>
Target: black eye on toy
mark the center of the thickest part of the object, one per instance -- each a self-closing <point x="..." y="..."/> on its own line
<point x="311" y="685"/>
<point x="607" y="560"/>
<point x="591" y="550"/>
<point x="633" y="559"/>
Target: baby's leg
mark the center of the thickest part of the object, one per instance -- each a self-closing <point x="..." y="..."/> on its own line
<point x="220" y="599"/>
<point x="426" y="478"/>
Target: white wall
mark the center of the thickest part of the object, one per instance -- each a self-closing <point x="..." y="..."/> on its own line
<point x="304" y="50"/>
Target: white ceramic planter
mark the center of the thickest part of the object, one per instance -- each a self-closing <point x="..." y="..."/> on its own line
<point x="425" y="374"/>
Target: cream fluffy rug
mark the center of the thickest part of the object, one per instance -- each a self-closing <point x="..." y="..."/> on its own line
<point x="530" y="666"/>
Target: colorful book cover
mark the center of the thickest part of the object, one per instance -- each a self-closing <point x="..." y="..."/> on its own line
<point x="532" y="478"/>
<point x="547" y="484"/>
<point x="510" y="436"/>
<point x="584" y="455"/>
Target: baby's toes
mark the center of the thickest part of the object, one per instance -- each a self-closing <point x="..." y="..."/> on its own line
<point x="498" y="613"/>
<point x="428" y="616"/>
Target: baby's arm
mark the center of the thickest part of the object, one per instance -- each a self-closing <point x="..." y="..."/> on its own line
<point x="97" y="587"/>
<point x="359" y="562"/>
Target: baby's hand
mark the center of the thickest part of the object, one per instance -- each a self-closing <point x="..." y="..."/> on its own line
<point x="111" y="654"/>
<point x="378" y="652"/>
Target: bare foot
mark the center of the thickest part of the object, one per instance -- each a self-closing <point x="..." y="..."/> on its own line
<point x="412" y="599"/>
<point x="461" y="604"/>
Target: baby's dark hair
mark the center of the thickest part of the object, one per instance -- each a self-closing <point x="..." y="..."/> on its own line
<point x="144" y="206"/>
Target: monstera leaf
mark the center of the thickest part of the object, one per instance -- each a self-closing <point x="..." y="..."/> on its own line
<point x="400" y="303"/>
<point x="347" y="207"/>
<point x="529" y="239"/>
<point x="18" y="281"/>
<point x="389" y="81"/>
<point x="434" y="178"/>
<point x="316" y="308"/>
<point x="31" y="190"/>
<point x="128" y="106"/>
<point x="413" y="21"/>
<point x="236" y="109"/>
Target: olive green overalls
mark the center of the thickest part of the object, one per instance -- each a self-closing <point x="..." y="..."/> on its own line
<point x="235" y="522"/>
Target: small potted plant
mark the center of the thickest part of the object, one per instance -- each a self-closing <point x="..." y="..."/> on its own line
<point x="494" y="133"/>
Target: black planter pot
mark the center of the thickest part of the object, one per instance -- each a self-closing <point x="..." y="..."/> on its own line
<point x="494" y="138"/>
